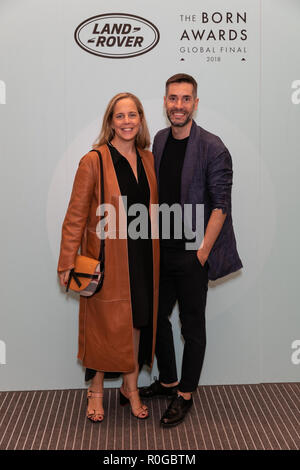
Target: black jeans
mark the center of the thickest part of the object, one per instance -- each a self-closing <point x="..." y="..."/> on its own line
<point x="182" y="278"/>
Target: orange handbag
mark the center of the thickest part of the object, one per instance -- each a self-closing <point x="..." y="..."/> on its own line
<point x="87" y="277"/>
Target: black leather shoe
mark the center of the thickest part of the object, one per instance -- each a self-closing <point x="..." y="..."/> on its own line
<point x="158" y="390"/>
<point x="176" y="411"/>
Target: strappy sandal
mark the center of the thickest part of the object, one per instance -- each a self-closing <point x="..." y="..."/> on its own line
<point x="140" y="412"/>
<point x="93" y="414"/>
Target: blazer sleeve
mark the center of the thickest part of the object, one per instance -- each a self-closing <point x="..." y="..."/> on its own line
<point x="219" y="181"/>
<point x="77" y="213"/>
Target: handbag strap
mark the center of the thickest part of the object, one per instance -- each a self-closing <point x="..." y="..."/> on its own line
<point x="101" y="256"/>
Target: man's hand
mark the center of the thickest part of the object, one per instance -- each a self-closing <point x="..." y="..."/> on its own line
<point x="214" y="226"/>
<point x="202" y="256"/>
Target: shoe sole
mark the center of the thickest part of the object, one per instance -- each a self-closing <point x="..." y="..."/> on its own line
<point x="171" y="425"/>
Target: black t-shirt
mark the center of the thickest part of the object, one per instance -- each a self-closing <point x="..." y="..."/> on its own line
<point x="170" y="183"/>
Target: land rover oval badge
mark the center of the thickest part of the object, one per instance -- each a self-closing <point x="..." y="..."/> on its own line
<point x="117" y="35"/>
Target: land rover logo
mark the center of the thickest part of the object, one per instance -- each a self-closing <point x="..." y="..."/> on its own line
<point x="116" y="35"/>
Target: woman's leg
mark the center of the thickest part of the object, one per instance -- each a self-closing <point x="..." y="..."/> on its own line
<point x="95" y="410"/>
<point x="130" y="379"/>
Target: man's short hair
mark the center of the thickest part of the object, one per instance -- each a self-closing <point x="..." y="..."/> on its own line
<point x="182" y="78"/>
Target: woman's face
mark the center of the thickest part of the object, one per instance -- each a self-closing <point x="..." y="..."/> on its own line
<point x="126" y="120"/>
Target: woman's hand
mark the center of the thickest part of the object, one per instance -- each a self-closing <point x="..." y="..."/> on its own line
<point x="63" y="277"/>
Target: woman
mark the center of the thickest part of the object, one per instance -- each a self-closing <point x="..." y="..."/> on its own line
<point x="117" y="325"/>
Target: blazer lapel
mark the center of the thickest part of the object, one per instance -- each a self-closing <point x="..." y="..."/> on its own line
<point x="189" y="160"/>
<point x="188" y="164"/>
<point x="160" y="143"/>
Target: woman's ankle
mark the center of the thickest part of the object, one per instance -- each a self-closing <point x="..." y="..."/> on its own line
<point x="96" y="386"/>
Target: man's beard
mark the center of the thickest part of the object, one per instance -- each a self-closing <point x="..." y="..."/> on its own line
<point x="179" y="124"/>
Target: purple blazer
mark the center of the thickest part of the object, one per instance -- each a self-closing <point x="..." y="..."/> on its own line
<point x="207" y="179"/>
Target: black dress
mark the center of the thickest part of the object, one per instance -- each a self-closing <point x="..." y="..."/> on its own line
<point x="139" y="255"/>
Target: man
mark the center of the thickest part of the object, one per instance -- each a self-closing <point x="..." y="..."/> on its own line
<point x="193" y="167"/>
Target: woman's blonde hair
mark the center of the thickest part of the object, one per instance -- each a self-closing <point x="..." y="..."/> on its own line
<point x="107" y="133"/>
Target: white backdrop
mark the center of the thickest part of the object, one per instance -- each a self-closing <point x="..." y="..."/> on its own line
<point x="52" y="97"/>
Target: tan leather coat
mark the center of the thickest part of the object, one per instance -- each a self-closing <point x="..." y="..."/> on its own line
<point x="105" y="319"/>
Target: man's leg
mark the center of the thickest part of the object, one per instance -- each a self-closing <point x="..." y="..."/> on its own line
<point x="192" y="294"/>
<point x="191" y="289"/>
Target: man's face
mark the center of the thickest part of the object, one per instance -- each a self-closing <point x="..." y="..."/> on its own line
<point x="180" y="103"/>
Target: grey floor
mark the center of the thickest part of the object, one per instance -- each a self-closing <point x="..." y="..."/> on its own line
<point x="262" y="416"/>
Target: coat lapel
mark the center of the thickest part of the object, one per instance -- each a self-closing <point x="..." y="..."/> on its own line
<point x="150" y="176"/>
<point x="152" y="181"/>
